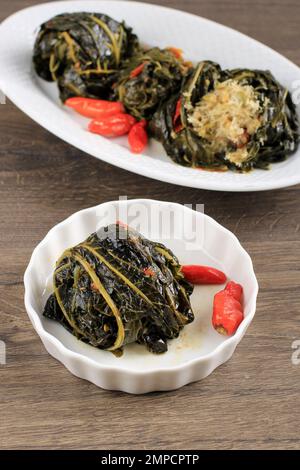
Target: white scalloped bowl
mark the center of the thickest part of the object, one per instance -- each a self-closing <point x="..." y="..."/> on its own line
<point x="199" y="348"/>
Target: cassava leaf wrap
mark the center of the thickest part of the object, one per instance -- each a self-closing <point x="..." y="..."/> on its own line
<point x="82" y="52"/>
<point x="118" y="287"/>
<point x="160" y="75"/>
<point x="276" y="135"/>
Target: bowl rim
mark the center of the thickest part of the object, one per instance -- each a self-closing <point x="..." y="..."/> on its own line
<point x="87" y="361"/>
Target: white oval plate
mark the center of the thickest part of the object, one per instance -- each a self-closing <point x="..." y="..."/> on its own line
<point x="199" y="348"/>
<point x="157" y="26"/>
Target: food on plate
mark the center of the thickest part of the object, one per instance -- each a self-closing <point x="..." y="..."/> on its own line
<point x="205" y="117"/>
<point x="227" y="119"/>
<point x="197" y="274"/>
<point x="112" y="126"/>
<point x="227" y="309"/>
<point x="117" y="287"/>
<point x="82" y="52"/>
<point x="138" y="137"/>
<point x="94" y="109"/>
<point x="109" y="119"/>
<point x="148" y="78"/>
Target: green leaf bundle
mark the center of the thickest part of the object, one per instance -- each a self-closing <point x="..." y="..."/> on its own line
<point x="118" y="287"/>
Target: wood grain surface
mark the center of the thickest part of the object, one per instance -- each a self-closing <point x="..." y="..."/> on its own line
<point x="253" y="401"/>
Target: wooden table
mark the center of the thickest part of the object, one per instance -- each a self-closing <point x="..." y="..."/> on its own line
<point x="253" y="401"/>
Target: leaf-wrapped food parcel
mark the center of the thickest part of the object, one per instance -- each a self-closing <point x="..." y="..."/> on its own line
<point x="147" y="79"/>
<point x="82" y="52"/>
<point x="236" y="119"/>
<point x="118" y="287"/>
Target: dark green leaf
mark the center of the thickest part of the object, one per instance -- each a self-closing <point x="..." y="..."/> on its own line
<point x="276" y="137"/>
<point x="117" y="287"/>
<point x="83" y="51"/>
<point x="160" y="77"/>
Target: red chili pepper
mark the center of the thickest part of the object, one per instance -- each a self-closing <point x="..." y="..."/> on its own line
<point x="176" y="52"/>
<point x="177" y="124"/>
<point x="137" y="137"/>
<point x="112" y="126"/>
<point x="234" y="289"/>
<point x="94" y="109"/>
<point x="149" y="272"/>
<point x="135" y="72"/>
<point x="227" y="309"/>
<point x="197" y="274"/>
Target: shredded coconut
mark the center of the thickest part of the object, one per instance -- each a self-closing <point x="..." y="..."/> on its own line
<point x="227" y="116"/>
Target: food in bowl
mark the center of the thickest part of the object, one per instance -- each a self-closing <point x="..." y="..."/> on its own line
<point x="117" y="287"/>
